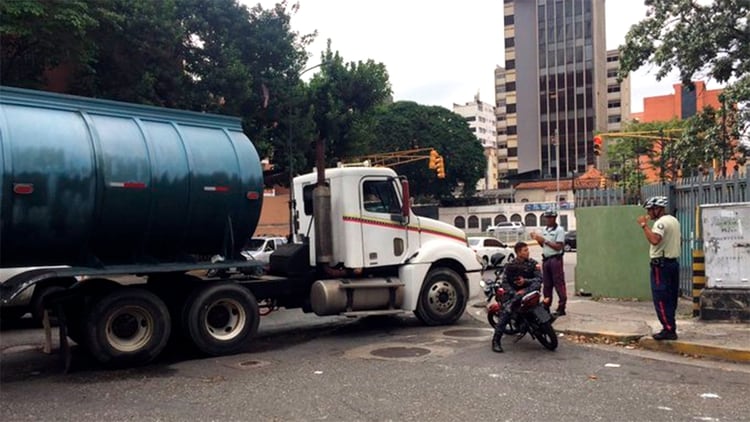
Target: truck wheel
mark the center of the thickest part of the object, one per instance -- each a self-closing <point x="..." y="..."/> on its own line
<point x="221" y="318"/>
<point x="129" y="326"/>
<point x="442" y="300"/>
<point x="37" y="304"/>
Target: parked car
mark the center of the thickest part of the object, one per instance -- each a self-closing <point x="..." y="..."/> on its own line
<point x="508" y="227"/>
<point x="261" y="248"/>
<point x="570" y="241"/>
<point x="485" y="247"/>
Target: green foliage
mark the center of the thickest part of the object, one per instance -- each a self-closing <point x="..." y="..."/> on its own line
<point x="654" y="141"/>
<point x="341" y="97"/>
<point x="38" y="35"/>
<point x="705" y="40"/>
<point x="692" y="37"/>
<point x="406" y="125"/>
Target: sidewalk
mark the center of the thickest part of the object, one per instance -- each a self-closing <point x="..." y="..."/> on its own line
<point x="634" y="322"/>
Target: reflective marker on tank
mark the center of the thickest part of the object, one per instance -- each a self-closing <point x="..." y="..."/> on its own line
<point x="252" y="195"/>
<point x="23" y="188"/>
<point x="216" y="188"/>
<point x="128" y="185"/>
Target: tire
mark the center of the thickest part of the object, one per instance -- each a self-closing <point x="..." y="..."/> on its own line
<point x="221" y="318"/>
<point x="546" y="336"/>
<point x="127" y="327"/>
<point x="37" y="304"/>
<point x="493" y="318"/>
<point x="442" y="299"/>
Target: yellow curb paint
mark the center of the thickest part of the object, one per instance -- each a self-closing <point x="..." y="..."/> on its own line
<point x="733" y="355"/>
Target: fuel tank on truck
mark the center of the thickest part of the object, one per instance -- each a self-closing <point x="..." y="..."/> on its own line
<point x="96" y="182"/>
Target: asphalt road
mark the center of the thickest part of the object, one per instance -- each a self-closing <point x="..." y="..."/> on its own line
<point x="304" y="368"/>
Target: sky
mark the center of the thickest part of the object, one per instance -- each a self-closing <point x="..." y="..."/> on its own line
<point x="441" y="52"/>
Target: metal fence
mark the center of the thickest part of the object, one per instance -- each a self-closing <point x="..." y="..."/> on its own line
<point x="685" y="198"/>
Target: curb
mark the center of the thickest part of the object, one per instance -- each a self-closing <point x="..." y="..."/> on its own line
<point x="696" y="349"/>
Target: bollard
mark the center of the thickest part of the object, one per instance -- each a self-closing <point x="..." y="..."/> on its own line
<point x="699" y="279"/>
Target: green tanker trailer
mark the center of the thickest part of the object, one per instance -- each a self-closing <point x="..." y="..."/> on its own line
<point x="111" y="212"/>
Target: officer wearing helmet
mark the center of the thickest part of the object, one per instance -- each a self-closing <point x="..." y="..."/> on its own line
<point x="664" y="252"/>
<point x="552" y="241"/>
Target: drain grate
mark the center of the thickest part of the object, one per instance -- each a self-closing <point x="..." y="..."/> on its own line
<point x="400" y="352"/>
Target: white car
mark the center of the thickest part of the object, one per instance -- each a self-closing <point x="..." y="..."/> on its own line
<point x="261" y="248"/>
<point x="485" y="247"/>
<point x="507" y="227"/>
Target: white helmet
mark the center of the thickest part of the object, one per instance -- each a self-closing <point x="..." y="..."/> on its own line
<point x="656" y="201"/>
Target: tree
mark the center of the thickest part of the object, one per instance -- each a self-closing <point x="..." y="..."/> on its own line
<point x="204" y="55"/>
<point x="40" y="35"/>
<point x="406" y="125"/>
<point x="698" y="39"/>
<point x="341" y="97"/>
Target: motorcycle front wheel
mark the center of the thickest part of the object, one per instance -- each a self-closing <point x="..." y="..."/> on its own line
<point x="547" y="336"/>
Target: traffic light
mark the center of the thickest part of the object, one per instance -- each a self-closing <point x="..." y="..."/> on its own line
<point x="597" y="145"/>
<point x="434" y="156"/>
<point x="440" y="167"/>
<point x="603" y="183"/>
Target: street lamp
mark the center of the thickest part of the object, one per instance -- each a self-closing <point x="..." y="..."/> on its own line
<point x="556" y="141"/>
<point x="292" y="203"/>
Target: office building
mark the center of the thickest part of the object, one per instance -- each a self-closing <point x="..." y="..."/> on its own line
<point x="556" y="84"/>
<point x="481" y="119"/>
<point x="618" y="94"/>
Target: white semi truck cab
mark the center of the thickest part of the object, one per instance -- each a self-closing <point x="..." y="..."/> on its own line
<point x="384" y="258"/>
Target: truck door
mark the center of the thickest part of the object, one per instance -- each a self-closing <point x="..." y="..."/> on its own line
<point x="384" y="236"/>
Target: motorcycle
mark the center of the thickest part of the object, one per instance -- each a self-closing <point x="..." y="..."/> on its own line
<point x="527" y="316"/>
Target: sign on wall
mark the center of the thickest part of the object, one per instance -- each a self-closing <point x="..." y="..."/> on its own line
<point x="726" y="244"/>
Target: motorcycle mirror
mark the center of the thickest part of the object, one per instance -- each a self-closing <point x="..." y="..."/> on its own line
<point x="482" y="284"/>
<point x="496" y="259"/>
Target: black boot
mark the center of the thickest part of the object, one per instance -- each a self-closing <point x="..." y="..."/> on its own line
<point x="496" y="347"/>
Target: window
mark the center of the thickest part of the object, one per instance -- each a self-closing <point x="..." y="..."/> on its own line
<point x="500" y="219"/>
<point x="614" y="119"/>
<point x="511" y="108"/>
<point x="510" y="42"/>
<point x="508" y="20"/>
<point x="492" y="243"/>
<point x="473" y="222"/>
<point x="459" y="222"/>
<point x="530" y="220"/>
<point x="510" y="64"/>
<point x="613" y="104"/>
<point x="510" y="86"/>
<point x="612" y="73"/>
<point x="380" y="196"/>
<point x="613" y="88"/>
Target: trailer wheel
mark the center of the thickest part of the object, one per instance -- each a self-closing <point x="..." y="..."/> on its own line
<point x="129" y="326"/>
<point x="221" y="318"/>
<point x="37" y="304"/>
<point x="442" y="300"/>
